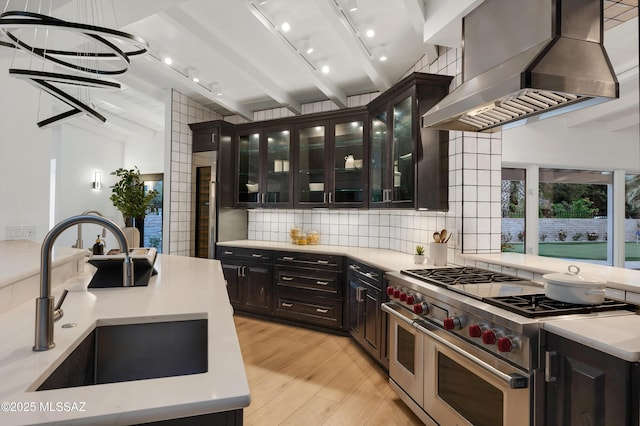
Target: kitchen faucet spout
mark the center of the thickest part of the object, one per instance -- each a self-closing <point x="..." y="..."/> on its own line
<point x="46" y="312"/>
<point x="79" y="242"/>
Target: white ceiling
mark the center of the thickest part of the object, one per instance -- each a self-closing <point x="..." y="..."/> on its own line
<point x="239" y="47"/>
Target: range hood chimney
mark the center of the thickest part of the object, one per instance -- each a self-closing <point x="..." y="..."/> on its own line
<point x="527" y="58"/>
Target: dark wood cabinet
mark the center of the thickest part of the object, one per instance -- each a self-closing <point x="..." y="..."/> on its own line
<point x="366" y="323"/>
<point x="587" y="387"/>
<point x="330" y="159"/>
<point x="374" y="156"/>
<point x="263" y="167"/>
<point x="309" y="288"/>
<point x="408" y="165"/>
<point x="208" y="135"/>
<point x="249" y="276"/>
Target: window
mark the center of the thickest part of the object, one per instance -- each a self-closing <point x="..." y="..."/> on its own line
<point x="632" y="222"/>
<point x="573" y="219"/>
<point x="513" y="210"/>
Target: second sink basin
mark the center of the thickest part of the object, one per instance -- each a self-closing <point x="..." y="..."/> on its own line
<point x="121" y="353"/>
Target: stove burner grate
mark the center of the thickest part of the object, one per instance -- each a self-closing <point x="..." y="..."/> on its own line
<point x="463" y="275"/>
<point x="539" y="305"/>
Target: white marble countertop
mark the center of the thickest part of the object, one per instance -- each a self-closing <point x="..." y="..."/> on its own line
<point x="614" y="335"/>
<point x="619" y="278"/>
<point x="20" y="259"/>
<point x="386" y="260"/>
<point x="185" y="288"/>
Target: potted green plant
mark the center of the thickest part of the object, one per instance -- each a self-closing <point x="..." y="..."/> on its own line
<point x="128" y="196"/>
<point x="418" y="257"/>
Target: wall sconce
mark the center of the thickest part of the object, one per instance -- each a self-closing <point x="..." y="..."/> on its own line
<point x="97" y="181"/>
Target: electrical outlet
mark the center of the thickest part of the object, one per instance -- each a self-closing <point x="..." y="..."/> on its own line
<point x="14" y="232"/>
<point x="29" y="232"/>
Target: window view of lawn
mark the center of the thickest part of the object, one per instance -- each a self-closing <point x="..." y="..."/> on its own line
<point x="578" y="250"/>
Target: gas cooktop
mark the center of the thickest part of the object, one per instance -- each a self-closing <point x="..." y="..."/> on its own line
<point x="508" y="292"/>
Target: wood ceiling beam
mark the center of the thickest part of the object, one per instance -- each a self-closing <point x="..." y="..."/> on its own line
<point x="330" y="90"/>
<point x="339" y="21"/>
<point x="143" y="116"/>
<point x="188" y="25"/>
<point x="183" y="84"/>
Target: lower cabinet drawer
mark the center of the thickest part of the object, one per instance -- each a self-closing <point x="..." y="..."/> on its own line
<point x="321" y="281"/>
<point x="325" y="312"/>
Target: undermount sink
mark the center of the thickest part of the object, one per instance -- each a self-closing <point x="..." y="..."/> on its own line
<point x="122" y="353"/>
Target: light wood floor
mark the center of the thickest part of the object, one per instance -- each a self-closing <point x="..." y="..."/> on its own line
<point x="304" y="377"/>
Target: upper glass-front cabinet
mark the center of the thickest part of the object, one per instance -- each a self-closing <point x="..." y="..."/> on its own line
<point x="403" y="151"/>
<point x="263" y="168"/>
<point x="330" y="161"/>
<point x="408" y="166"/>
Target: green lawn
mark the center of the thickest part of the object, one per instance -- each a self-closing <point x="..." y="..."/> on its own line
<point x="596" y="250"/>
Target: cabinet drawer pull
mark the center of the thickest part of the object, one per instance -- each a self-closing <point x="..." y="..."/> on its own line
<point x="322" y="311"/>
<point x="287" y="258"/>
<point x="354" y="267"/>
<point x="228" y="252"/>
<point x="322" y="282"/>
<point x="287" y="305"/>
<point x="287" y="278"/>
<point x="256" y="255"/>
<point x="323" y="262"/>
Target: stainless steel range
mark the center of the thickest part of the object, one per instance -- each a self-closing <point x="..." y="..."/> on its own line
<point x="463" y="344"/>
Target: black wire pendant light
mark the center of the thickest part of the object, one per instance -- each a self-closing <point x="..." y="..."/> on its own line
<point x="98" y="51"/>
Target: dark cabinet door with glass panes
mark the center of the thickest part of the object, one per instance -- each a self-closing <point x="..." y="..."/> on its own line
<point x="408" y="166"/>
<point x="330" y="161"/>
<point x="264" y="179"/>
<point x="392" y="146"/>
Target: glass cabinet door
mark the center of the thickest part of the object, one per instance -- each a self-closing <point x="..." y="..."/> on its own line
<point x="311" y="165"/>
<point x="348" y="157"/>
<point x="378" y="157"/>
<point x="249" y="168"/>
<point x="277" y="167"/>
<point x="402" y="151"/>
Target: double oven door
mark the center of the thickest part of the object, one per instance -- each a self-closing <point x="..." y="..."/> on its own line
<point x="446" y="380"/>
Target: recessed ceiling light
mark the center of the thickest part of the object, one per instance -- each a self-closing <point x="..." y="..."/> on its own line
<point x="168" y="60"/>
<point x="285" y="27"/>
<point x="262" y="2"/>
<point x="325" y="69"/>
<point x="196" y="80"/>
<point x="352" y="5"/>
<point x="370" y="33"/>
<point x="382" y="54"/>
<point x="308" y="48"/>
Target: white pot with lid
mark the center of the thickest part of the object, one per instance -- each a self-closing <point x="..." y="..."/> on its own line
<point x="571" y="287"/>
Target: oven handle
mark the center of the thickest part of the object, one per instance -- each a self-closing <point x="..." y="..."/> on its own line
<point x="515" y="381"/>
<point x="387" y="307"/>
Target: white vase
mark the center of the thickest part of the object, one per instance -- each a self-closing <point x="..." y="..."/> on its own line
<point x="418" y="259"/>
<point x="133" y="236"/>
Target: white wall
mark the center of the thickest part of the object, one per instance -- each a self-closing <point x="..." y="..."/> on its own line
<point x="79" y="147"/>
<point x="25" y="151"/>
<point x="550" y="143"/>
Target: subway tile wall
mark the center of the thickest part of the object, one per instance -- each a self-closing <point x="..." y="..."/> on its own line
<point x="184" y="110"/>
<point x="474" y="187"/>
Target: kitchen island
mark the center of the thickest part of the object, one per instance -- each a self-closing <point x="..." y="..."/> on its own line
<point x="184" y="289"/>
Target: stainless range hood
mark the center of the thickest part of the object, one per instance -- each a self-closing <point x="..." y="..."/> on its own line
<point x="524" y="60"/>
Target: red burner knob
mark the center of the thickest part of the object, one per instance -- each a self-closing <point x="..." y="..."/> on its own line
<point x="475" y="330"/>
<point x="421" y="308"/>
<point x="506" y="344"/>
<point x="488" y="337"/>
<point x="396" y="293"/>
<point x="411" y="300"/>
<point x="390" y="290"/>
<point x="403" y="296"/>
<point x="452" y="323"/>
